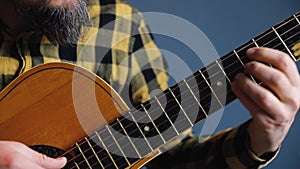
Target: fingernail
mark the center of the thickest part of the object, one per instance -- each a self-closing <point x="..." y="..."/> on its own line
<point x="64" y="159"/>
<point x="251" y="51"/>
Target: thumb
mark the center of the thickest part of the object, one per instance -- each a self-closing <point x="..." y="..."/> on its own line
<point x="47" y="162"/>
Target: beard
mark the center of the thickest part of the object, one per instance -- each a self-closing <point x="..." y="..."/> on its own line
<point x="62" y="25"/>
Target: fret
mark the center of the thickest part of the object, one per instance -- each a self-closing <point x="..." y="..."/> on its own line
<point x="240" y="54"/>
<point x="145" y="138"/>
<point x="269" y="39"/>
<point x="293" y="45"/>
<point x="188" y="86"/>
<point x="82" y="154"/>
<point x="189" y="104"/>
<point x="191" y="124"/>
<point x="95" y="154"/>
<point x="223" y="71"/>
<point x="296" y="49"/>
<point x="153" y="123"/>
<point x="147" y="127"/>
<point x="193" y="112"/>
<point x="160" y="122"/>
<point x="117" y="138"/>
<point x="95" y="145"/>
<point x="255" y="43"/>
<point x="285" y="30"/>
<point x="166" y="116"/>
<point x="242" y="51"/>
<point x="105" y="148"/>
<point x="214" y="78"/>
<point x="232" y="65"/>
<point x="290" y="35"/>
<point x="116" y="142"/>
<point x="255" y="81"/>
<point x="288" y="29"/>
<point x="288" y="50"/>
<point x="173" y="109"/>
<point x="203" y="92"/>
<point x="237" y="56"/>
<point x="223" y="86"/>
<point x="135" y="149"/>
<point x="296" y="19"/>
<point x="133" y="131"/>
<point x="76" y="165"/>
<point x="213" y="92"/>
<point x="111" y="146"/>
<point x="295" y="42"/>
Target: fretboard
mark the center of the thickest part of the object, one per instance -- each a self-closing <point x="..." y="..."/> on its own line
<point x="154" y="123"/>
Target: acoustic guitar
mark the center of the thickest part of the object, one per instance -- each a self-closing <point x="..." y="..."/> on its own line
<point x="64" y="110"/>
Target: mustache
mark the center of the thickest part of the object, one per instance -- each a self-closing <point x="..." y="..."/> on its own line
<point x="60" y="25"/>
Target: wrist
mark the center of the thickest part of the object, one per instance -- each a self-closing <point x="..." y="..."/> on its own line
<point x="262" y="142"/>
<point x="259" y="148"/>
<point x="263" y="153"/>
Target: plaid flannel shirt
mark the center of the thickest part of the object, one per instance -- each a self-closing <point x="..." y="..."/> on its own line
<point x="120" y="49"/>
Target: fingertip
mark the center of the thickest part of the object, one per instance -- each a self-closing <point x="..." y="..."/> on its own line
<point x="62" y="161"/>
<point x="238" y="77"/>
<point x="251" y="51"/>
<point x="49" y="162"/>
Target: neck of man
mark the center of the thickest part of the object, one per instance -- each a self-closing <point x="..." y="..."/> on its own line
<point x="14" y="24"/>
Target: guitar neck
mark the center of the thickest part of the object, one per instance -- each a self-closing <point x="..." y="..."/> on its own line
<point x="152" y="124"/>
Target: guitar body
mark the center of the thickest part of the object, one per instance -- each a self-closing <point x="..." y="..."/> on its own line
<point x="57" y="104"/>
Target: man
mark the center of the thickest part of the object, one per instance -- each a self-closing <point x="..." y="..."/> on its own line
<point x="39" y="31"/>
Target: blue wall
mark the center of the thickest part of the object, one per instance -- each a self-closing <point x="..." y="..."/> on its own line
<point x="229" y="24"/>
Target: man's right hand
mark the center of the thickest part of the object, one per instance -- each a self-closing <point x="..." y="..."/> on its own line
<point x="14" y="155"/>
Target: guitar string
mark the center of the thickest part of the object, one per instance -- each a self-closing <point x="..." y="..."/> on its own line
<point x="277" y="37"/>
<point x="97" y="163"/>
<point x="249" y="45"/>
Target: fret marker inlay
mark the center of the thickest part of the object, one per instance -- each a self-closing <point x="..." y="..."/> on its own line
<point x="219" y="83"/>
<point x="146" y="128"/>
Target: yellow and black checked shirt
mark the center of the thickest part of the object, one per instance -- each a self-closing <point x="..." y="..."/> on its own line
<point x="123" y="53"/>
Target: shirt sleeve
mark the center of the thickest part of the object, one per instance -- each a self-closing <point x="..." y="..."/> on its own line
<point x="228" y="149"/>
<point x="148" y="75"/>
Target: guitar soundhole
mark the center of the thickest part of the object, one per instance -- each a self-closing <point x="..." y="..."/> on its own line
<point x="48" y="150"/>
<point x="53" y="152"/>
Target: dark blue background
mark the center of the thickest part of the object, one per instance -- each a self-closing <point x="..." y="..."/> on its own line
<point x="229" y="24"/>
